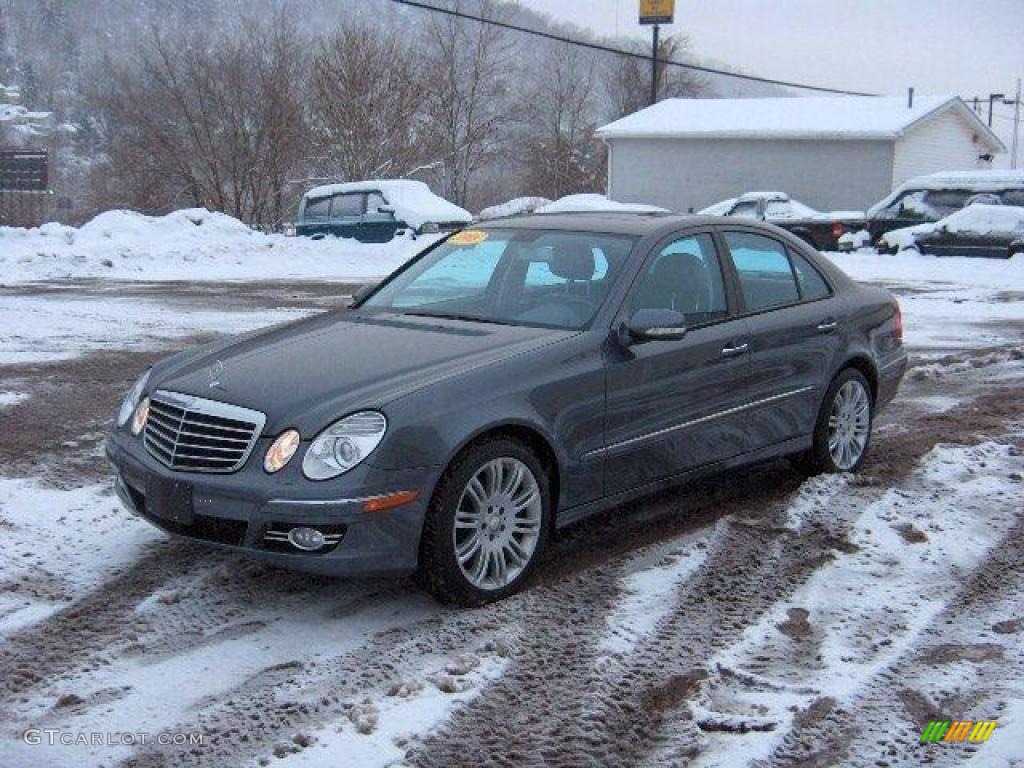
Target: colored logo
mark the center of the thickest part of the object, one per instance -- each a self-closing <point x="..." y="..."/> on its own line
<point x="958" y="730"/>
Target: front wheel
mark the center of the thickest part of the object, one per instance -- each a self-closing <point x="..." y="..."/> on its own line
<point x="843" y="429"/>
<point x="487" y="523"/>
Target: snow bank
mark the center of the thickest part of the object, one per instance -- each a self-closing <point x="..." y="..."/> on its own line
<point x="413" y="201"/>
<point x="595" y="202"/>
<point x="513" y="207"/>
<point x="192" y="244"/>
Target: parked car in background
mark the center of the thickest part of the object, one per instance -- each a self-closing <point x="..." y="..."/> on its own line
<point x="375" y="211"/>
<point x="927" y="199"/>
<point x="996" y="231"/>
<point x="515" y="378"/>
<point x="819" y="229"/>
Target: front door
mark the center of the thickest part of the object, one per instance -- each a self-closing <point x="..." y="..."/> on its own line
<point x="672" y="405"/>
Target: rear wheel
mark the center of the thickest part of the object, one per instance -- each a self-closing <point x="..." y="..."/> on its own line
<point x="487" y="524"/>
<point x="842" y="432"/>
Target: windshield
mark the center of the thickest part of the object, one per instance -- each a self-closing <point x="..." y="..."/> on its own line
<point x="535" y="277"/>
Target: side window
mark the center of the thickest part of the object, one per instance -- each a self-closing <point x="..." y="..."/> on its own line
<point x="765" y="274"/>
<point x="812" y="284"/>
<point x="1014" y="197"/>
<point x="685" y="276"/>
<point x="745" y="210"/>
<point x="317" y="209"/>
<point x="348" y="204"/>
<point x="374" y="200"/>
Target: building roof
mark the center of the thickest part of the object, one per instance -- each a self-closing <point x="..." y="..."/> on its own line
<point x="832" y="117"/>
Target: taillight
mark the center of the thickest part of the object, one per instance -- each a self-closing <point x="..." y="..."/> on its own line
<point x="837" y="229"/>
<point x="897" y="324"/>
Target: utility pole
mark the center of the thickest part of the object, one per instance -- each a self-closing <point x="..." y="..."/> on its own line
<point x="655" y="13"/>
<point x="654" y="65"/>
<point x="1016" y="127"/>
<point x="991" y="100"/>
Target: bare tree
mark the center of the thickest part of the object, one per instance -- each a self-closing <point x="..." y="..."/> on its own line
<point x="216" y="122"/>
<point x="629" y="81"/>
<point x="469" y="108"/>
<point x="563" y="155"/>
<point x="366" y="98"/>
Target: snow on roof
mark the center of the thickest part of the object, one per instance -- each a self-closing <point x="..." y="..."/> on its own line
<point x="413" y="201"/>
<point x="513" y="207"/>
<point x="834" y="117"/>
<point x="975" y="181"/>
<point x="595" y="202"/>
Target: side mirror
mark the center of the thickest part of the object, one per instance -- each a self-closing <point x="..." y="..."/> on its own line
<point x="656" y="325"/>
<point x="385" y="209"/>
<point x="361" y="293"/>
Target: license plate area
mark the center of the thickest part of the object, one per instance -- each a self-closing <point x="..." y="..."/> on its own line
<point x="169" y="500"/>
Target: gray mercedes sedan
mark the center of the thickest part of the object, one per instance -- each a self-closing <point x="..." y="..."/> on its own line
<point x="507" y="381"/>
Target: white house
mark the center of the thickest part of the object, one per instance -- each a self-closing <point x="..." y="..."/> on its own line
<point x="831" y="153"/>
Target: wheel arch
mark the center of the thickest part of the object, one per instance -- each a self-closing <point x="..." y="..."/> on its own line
<point x="528" y="434"/>
<point x="865" y="366"/>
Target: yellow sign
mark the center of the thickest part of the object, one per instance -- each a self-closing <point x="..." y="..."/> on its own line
<point x="468" y="237"/>
<point x="657" y="11"/>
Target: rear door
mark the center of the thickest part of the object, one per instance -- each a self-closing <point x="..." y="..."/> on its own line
<point x="795" y="323"/>
<point x="672" y="405"/>
<point x="347" y="213"/>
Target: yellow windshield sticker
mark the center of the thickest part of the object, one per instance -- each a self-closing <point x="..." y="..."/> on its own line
<point x="468" y="237"/>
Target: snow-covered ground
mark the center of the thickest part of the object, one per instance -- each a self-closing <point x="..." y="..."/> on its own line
<point x="749" y="618"/>
<point x="193" y="245"/>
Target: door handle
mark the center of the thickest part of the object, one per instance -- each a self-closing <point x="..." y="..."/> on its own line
<point x="734" y="351"/>
<point x="827" y="326"/>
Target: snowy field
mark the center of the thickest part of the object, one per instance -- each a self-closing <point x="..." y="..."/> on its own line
<point x="756" y="619"/>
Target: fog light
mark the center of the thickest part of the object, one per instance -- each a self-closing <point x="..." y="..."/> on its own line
<point x="141" y="416"/>
<point x="306" y="538"/>
<point x="282" y="450"/>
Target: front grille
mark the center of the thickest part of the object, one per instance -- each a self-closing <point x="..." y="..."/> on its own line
<point x="198" y="435"/>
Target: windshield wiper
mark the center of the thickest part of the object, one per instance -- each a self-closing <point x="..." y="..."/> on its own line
<point x="456" y="316"/>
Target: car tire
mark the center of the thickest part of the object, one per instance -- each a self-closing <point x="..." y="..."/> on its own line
<point x="846" y="417"/>
<point x="477" y="497"/>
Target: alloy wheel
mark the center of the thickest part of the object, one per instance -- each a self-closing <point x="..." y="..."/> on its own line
<point x="497" y="523"/>
<point x="849" y="424"/>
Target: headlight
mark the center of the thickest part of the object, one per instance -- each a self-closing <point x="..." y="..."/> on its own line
<point x="343" y="445"/>
<point x="131" y="400"/>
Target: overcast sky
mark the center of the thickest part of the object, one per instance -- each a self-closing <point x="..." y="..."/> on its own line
<point x="966" y="47"/>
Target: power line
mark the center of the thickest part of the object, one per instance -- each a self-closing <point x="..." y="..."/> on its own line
<point x="624" y="52"/>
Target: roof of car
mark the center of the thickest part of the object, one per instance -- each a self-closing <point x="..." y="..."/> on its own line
<point x="639" y="224"/>
<point x="610" y="222"/>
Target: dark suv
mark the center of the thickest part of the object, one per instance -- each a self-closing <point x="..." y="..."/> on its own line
<point x="375" y="211"/>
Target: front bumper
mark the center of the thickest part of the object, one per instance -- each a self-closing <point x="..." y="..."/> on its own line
<point x="236" y="511"/>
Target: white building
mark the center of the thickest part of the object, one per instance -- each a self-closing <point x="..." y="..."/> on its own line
<point x="831" y="153"/>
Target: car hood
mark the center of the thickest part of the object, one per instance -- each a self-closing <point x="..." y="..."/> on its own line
<point x="309" y="373"/>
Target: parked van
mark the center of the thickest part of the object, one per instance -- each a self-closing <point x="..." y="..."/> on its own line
<point x="375" y="211"/>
